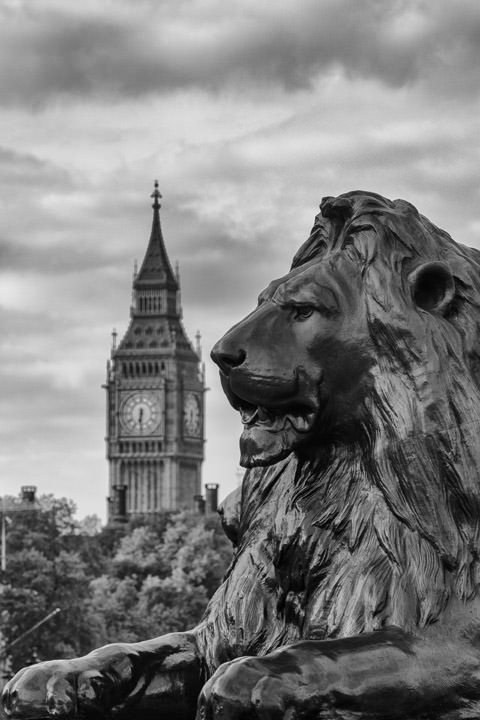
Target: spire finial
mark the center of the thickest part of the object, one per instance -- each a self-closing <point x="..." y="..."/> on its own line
<point x="156" y="195"/>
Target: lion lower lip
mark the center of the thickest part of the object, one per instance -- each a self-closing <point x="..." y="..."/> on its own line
<point x="301" y="421"/>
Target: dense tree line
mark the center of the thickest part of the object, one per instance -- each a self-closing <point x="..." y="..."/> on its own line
<point x="124" y="582"/>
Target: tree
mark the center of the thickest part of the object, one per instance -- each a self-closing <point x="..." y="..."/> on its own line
<point x="126" y="582"/>
<point x="157" y="585"/>
<point x="44" y="573"/>
<point x="138" y="555"/>
<point x="91" y="525"/>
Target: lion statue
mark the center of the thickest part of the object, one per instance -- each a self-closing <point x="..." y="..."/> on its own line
<point x="354" y="589"/>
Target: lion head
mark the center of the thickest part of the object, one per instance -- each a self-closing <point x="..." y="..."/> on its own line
<point x="357" y="378"/>
<point x="362" y="298"/>
<point x="297" y="367"/>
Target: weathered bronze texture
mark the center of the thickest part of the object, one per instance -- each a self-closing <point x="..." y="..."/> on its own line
<point x="354" y="591"/>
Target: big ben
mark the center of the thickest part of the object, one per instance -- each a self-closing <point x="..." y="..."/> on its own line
<point x="155" y="395"/>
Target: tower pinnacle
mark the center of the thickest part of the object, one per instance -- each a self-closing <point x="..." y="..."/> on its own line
<point x="156" y="195"/>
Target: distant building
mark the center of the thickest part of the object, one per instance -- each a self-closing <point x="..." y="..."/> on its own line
<point x="155" y="395"/>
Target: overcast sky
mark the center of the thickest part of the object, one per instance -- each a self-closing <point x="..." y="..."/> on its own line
<point x="247" y="112"/>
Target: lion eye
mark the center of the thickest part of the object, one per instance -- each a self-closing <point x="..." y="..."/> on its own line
<point x="302" y="312"/>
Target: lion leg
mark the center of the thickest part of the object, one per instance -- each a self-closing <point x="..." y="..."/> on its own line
<point x="387" y="673"/>
<point x="159" y="678"/>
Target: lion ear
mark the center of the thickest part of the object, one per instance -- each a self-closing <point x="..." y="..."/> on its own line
<point x="432" y="286"/>
<point x="339" y="208"/>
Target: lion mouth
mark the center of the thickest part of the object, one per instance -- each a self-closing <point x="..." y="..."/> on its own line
<point x="299" y="418"/>
<point x="272" y="428"/>
<point x="285" y="415"/>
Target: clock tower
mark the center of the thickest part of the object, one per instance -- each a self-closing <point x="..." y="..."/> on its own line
<point x="155" y="395"/>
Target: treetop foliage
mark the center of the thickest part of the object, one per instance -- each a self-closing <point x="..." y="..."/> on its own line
<point x="123" y="582"/>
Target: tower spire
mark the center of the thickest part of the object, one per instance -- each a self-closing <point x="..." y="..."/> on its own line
<point x="155" y="272"/>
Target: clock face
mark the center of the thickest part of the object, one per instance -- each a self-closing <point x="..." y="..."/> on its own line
<point x="192" y="415"/>
<point x="140" y="414"/>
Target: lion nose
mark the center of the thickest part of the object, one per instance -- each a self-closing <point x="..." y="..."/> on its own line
<point x="227" y="358"/>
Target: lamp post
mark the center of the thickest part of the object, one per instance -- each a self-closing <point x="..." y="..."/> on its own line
<point x="41" y="622"/>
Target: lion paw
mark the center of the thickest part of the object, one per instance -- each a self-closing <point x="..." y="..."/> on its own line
<point x="54" y="689"/>
<point x="241" y="690"/>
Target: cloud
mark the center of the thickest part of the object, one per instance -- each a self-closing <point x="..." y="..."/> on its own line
<point x="27" y="171"/>
<point x="108" y="49"/>
<point x="45" y="408"/>
<point x="248" y="113"/>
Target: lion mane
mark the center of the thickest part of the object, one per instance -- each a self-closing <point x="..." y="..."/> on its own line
<point x="385" y="531"/>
